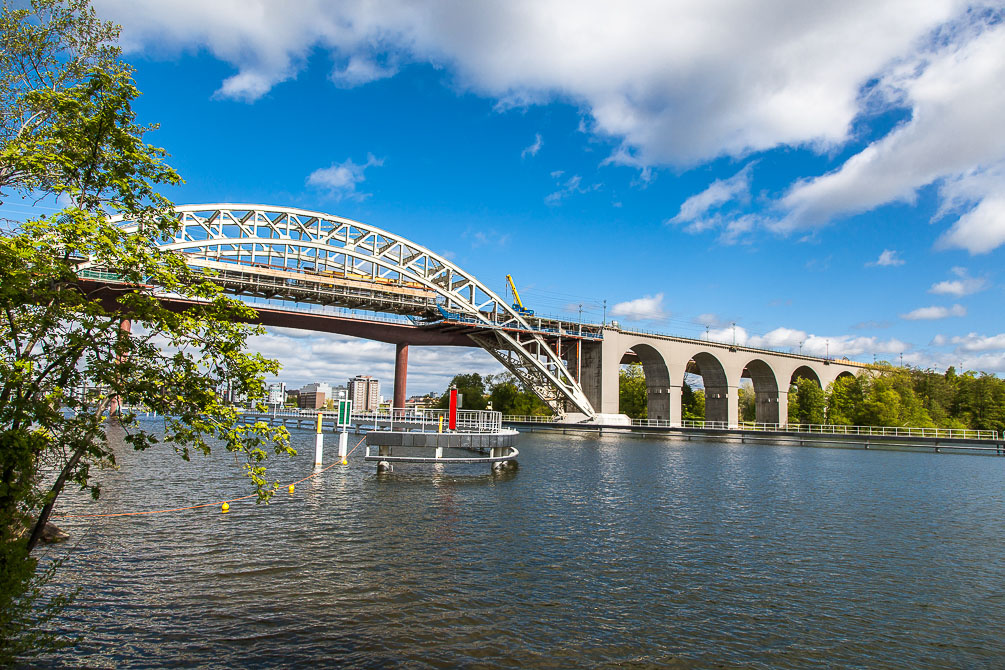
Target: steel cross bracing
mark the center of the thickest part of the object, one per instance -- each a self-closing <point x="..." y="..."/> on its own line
<point x="269" y="244"/>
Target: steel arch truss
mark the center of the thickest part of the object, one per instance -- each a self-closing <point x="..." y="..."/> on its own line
<point x="257" y="237"/>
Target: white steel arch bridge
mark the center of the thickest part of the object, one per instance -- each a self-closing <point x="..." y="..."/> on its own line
<point x="305" y="258"/>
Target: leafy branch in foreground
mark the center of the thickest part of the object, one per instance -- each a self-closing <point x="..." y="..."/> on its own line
<point x="68" y="361"/>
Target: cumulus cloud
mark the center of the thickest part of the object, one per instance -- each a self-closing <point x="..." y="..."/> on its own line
<point x="886" y="259"/>
<point x="671" y="82"/>
<point x="341" y="179"/>
<point x="533" y="148"/>
<point x="361" y="70"/>
<point x="963" y="285"/>
<point x="309" y="357"/>
<point x="648" y="308"/>
<point x="954" y="134"/>
<point x="695" y="210"/>
<point x="934" y="312"/>
<point x="799" y="341"/>
<point x="715" y="208"/>
<point x="972" y="342"/>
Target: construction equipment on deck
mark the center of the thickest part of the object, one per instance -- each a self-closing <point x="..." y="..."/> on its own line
<point x="518" y="305"/>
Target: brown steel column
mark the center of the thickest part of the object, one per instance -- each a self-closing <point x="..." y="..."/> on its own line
<point x="400" y="374"/>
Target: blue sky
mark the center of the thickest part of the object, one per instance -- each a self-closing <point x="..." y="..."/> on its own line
<point x="831" y="174"/>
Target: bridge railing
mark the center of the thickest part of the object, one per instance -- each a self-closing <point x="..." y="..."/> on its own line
<point x="881" y="431"/>
<point x="828" y="429"/>
<point x="816" y="429"/>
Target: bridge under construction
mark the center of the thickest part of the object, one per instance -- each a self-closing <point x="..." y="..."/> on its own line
<point x="318" y="272"/>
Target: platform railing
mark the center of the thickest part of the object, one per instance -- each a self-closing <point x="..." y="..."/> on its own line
<point x="426" y="420"/>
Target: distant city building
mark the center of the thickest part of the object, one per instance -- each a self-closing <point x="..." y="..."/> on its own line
<point x="314" y="396"/>
<point x="421" y="401"/>
<point x="339" y="392"/>
<point x="277" y="393"/>
<point x="364" y="391"/>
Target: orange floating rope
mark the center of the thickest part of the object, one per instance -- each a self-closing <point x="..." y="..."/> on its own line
<point x="210" y="504"/>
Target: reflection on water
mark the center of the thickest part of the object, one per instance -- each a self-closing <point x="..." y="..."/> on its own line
<point x="596" y="551"/>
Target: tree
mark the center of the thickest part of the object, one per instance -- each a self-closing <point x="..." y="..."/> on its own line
<point x="747" y="402"/>
<point x="806" y="402"/>
<point x="507" y="396"/>
<point x="844" y="399"/>
<point x="67" y="131"/>
<point x="692" y="403"/>
<point x="633" y="398"/>
<point x="472" y="389"/>
<point x="881" y="404"/>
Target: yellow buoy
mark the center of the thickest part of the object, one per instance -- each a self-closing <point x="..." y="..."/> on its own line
<point x="291" y="489"/>
<point x="345" y="462"/>
<point x="224" y="508"/>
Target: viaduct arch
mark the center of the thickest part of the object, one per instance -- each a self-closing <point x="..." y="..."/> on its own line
<point x="666" y="360"/>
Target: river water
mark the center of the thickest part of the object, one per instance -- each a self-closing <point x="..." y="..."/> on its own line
<point x="612" y="551"/>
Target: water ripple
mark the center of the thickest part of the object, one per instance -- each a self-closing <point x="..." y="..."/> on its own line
<point x="606" y="552"/>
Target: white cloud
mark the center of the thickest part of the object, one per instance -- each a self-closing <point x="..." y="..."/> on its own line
<point x="648" y="308"/>
<point x="954" y="133"/>
<point x="670" y="83"/>
<point x="340" y="179"/>
<point x="695" y="210"/>
<point x="972" y="342"/>
<point x="361" y="70"/>
<point x="729" y="334"/>
<point x="309" y="357"/>
<point x="572" y="185"/>
<point x="799" y="341"/>
<point x="934" y="312"/>
<point x="533" y="148"/>
<point x="674" y="83"/>
<point x="964" y="285"/>
<point x="886" y="259"/>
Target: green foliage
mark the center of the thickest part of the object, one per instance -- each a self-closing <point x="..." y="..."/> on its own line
<point x="503" y="390"/>
<point x="632" y="395"/>
<point x="692" y="403"/>
<point x="747" y="402"/>
<point x="472" y="389"/>
<point x="67" y="131"/>
<point x="509" y="398"/>
<point x="844" y="399"/>
<point x="806" y="402"/>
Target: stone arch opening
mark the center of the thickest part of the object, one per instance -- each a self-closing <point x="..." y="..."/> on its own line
<point x="805" y="372"/>
<point x="765" y="386"/>
<point x="657" y="377"/>
<point x="713" y="378"/>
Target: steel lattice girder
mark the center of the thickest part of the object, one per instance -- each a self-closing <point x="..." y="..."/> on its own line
<point x="552" y="383"/>
<point x="306" y="241"/>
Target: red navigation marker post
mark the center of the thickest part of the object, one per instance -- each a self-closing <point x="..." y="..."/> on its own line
<point x="452" y="419"/>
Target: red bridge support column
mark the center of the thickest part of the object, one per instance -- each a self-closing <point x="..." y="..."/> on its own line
<point x="400" y="375"/>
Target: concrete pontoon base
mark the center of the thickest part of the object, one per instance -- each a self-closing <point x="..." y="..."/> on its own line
<point x="499" y="449"/>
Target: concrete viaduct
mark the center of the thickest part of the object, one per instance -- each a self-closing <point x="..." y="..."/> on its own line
<point x="666" y="359"/>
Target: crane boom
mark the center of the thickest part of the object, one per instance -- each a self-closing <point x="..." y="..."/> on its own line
<point x="518" y="305"/>
<point x="516" y="296"/>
